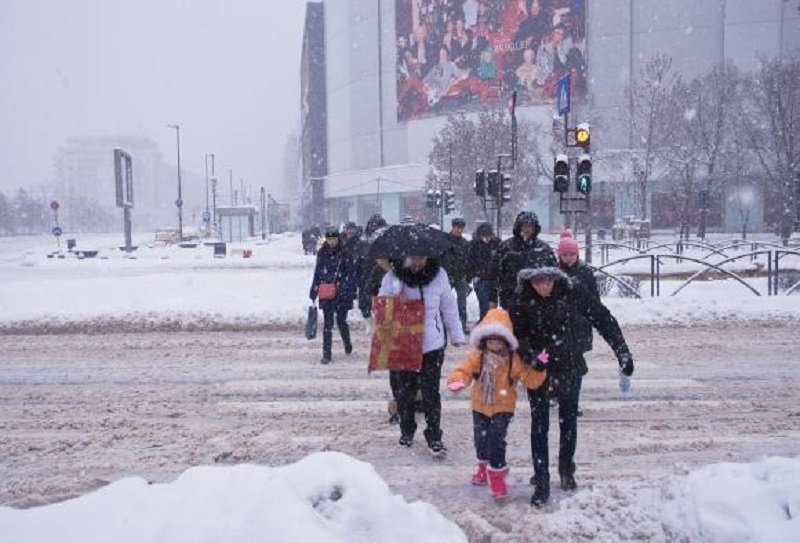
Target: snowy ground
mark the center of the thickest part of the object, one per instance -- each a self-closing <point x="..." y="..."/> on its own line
<point x="147" y="396"/>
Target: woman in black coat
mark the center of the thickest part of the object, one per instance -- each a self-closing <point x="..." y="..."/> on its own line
<point x="545" y="317"/>
<point x="334" y="265"/>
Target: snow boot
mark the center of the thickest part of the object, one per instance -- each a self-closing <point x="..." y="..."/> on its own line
<point x="435" y="445"/>
<point x="325" y="359"/>
<point x="479" y="477"/>
<point x="406" y="440"/>
<point x="541" y="494"/>
<point x="567" y="472"/>
<point x="497" y="483"/>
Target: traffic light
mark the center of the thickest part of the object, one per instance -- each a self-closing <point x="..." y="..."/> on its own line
<point x="505" y="188"/>
<point x="430" y="200"/>
<point x="480" y="183"/>
<point x="493" y="183"/>
<point x="583" y="136"/>
<point x="561" y="174"/>
<point x="449" y="201"/>
<point x="583" y="181"/>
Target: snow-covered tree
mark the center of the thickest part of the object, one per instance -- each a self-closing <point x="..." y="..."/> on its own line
<point x="466" y="144"/>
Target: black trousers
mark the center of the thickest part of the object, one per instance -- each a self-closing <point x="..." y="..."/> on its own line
<point x="338" y="311"/>
<point x="566" y="389"/>
<point x="404" y="388"/>
<point x="490" y="437"/>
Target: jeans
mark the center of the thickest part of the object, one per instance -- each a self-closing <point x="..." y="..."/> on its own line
<point x="328" y="313"/>
<point x="566" y="389"/>
<point x="490" y="437"/>
<point x="462" y="288"/>
<point x="404" y="388"/>
<point x="483" y="292"/>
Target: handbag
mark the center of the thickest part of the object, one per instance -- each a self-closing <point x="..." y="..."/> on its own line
<point x="326" y="291"/>
<point x="398" y="334"/>
<point x="311" y="322"/>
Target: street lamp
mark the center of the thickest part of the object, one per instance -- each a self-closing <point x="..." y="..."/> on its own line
<point x="179" y="201"/>
<point x="212" y="175"/>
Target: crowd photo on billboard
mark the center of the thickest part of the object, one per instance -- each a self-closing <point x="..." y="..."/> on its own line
<point x="456" y="55"/>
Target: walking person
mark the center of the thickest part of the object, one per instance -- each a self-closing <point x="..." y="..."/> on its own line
<point x="523" y="249"/>
<point x="494" y="369"/>
<point x="570" y="263"/>
<point x="455" y="264"/>
<point x="480" y="253"/>
<point x="334" y="283"/>
<point x="421" y="277"/>
<point x="544" y="316"/>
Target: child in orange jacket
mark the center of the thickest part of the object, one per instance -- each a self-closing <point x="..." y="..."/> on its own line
<point x="494" y="368"/>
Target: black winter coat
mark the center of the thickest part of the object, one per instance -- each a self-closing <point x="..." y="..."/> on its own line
<point x="455" y="260"/>
<point x="335" y="266"/>
<point x="479" y="258"/>
<point x="511" y="256"/>
<point x="584" y="275"/>
<point x="551" y="323"/>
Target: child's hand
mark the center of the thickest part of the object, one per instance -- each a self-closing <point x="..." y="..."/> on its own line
<point x="455" y="386"/>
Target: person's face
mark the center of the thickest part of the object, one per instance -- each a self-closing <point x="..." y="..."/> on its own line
<point x="528" y="56"/>
<point x="350" y="232"/>
<point x="535" y="8"/>
<point x="495" y="345"/>
<point x="457" y="231"/>
<point x="486" y="239"/>
<point x="558" y="35"/>
<point x="443" y="56"/>
<point x="416" y="263"/>
<point x="543" y="286"/>
<point x="527" y="230"/>
<point x="569" y="259"/>
<point x="459" y="26"/>
<point x="333" y="241"/>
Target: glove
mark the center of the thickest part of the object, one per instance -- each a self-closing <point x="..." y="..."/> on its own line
<point x="455" y="386"/>
<point x="625" y="364"/>
<point x="540" y="361"/>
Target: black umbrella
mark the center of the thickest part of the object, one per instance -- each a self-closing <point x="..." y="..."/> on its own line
<point x="402" y="240"/>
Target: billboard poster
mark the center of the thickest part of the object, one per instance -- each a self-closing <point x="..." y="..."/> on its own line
<point x="457" y="55"/>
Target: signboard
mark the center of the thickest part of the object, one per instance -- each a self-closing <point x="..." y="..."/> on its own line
<point x="206" y="216"/>
<point x="56" y="231"/>
<point x="562" y="96"/>
<point x="123" y="175"/>
<point x="472" y="54"/>
<point x="54" y="205"/>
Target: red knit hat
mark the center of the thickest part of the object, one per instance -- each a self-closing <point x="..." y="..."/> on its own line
<point x="567" y="244"/>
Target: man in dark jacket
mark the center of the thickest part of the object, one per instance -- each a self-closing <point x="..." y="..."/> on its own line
<point x="480" y="254"/>
<point x="523" y="250"/>
<point x="544" y="315"/>
<point x="368" y="273"/>
<point x="454" y="263"/>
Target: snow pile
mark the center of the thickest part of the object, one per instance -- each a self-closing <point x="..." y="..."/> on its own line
<point x="324" y="497"/>
<point x="757" y="502"/>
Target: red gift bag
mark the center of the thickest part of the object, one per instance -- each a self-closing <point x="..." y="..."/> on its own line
<point x="398" y="334"/>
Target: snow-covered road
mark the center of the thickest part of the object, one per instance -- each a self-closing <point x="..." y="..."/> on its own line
<point x="78" y="411"/>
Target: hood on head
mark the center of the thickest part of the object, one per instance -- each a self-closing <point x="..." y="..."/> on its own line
<point x="526" y="274"/>
<point x="484" y="229"/>
<point x="497" y="322"/>
<point x="374" y="222"/>
<point x="522" y="218"/>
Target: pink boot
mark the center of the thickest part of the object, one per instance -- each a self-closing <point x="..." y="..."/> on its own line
<point x="497" y="483"/>
<point x="479" y="477"/>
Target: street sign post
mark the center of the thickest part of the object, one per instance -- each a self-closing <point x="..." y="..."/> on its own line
<point x="56" y="231"/>
<point x="123" y="179"/>
<point x="562" y="95"/>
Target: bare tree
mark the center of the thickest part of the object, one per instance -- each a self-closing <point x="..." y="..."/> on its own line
<point x="699" y="149"/>
<point x="770" y="119"/>
<point x="466" y="144"/>
<point x="651" y="103"/>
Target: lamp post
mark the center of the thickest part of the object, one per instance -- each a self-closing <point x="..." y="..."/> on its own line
<point x="212" y="175"/>
<point x="179" y="201"/>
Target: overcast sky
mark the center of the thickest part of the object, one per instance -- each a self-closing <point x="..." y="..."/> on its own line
<point x="226" y="71"/>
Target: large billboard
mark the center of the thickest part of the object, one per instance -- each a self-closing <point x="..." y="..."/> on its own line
<point x="456" y="55"/>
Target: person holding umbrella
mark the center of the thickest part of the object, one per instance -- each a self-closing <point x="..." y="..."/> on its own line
<point x="416" y="274"/>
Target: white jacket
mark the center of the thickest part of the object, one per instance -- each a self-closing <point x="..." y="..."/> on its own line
<point x="440" y="304"/>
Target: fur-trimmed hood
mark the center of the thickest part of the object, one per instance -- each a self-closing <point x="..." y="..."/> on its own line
<point x="527" y="274"/>
<point x="497" y="322"/>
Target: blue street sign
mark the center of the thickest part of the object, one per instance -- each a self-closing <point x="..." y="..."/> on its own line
<point x="179" y="202"/>
<point x="206" y="216"/>
<point x="56" y="231"/>
<point x="562" y="95"/>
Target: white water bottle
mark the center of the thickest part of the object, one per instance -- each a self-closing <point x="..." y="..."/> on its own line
<point x="624" y="384"/>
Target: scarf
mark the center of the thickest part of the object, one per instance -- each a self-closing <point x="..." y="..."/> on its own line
<point x="416" y="279"/>
<point x="491" y="362"/>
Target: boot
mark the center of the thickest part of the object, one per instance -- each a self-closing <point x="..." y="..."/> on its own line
<point x="541" y="494"/>
<point x="479" y="477"/>
<point x="348" y="345"/>
<point x="567" y="472"/>
<point x="497" y="483"/>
